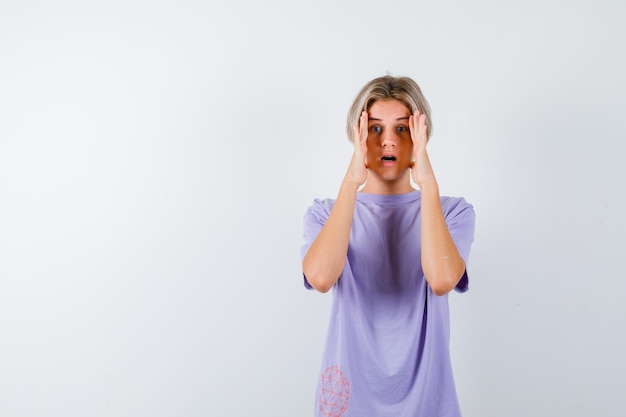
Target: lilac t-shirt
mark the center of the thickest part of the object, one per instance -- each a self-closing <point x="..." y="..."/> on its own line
<point x="387" y="348"/>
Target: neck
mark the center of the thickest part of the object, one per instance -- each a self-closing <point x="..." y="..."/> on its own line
<point x="387" y="187"/>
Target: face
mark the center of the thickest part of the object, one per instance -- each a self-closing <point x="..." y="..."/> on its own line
<point x="389" y="147"/>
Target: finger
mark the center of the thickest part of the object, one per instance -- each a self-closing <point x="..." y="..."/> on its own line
<point x="418" y="122"/>
<point x="414" y="126"/>
<point x="355" y="135"/>
<point x="416" y="117"/>
<point x="364" y="134"/>
<point x="423" y="120"/>
<point x="423" y="127"/>
<point x="364" y="127"/>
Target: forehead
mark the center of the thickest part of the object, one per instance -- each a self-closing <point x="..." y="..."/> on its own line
<point x="388" y="109"/>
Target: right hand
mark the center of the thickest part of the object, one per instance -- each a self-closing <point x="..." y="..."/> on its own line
<point x="357" y="171"/>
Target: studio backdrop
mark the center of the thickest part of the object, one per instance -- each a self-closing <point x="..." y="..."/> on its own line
<point x="157" y="159"/>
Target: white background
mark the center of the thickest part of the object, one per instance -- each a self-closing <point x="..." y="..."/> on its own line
<point x="157" y="158"/>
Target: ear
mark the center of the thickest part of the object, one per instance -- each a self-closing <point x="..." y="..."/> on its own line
<point x="412" y="164"/>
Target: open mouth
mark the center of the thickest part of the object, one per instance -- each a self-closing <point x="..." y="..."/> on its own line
<point x="388" y="158"/>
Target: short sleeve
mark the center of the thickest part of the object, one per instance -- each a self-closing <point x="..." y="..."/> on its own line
<point x="460" y="219"/>
<point x="314" y="219"/>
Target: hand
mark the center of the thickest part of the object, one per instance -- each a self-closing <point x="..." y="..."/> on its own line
<point x="421" y="170"/>
<point x="357" y="171"/>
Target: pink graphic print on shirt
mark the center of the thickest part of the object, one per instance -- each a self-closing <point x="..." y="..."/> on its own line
<point x="334" y="393"/>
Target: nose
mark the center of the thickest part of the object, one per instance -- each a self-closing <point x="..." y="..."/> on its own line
<point x="388" y="138"/>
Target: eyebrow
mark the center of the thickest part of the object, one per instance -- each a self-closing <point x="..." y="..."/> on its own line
<point x="380" y="120"/>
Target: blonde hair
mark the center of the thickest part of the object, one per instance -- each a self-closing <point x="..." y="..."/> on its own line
<point x="403" y="89"/>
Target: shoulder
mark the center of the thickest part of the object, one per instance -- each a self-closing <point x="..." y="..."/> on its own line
<point x="320" y="208"/>
<point x="454" y="206"/>
<point x="452" y="203"/>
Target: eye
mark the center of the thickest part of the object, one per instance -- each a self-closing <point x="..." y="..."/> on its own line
<point x="401" y="129"/>
<point x="375" y="129"/>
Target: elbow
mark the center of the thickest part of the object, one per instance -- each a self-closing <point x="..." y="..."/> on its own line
<point x="319" y="280"/>
<point x="318" y="283"/>
<point x="442" y="284"/>
<point x="322" y="276"/>
<point x="444" y="280"/>
<point x="440" y="290"/>
<point x="322" y="287"/>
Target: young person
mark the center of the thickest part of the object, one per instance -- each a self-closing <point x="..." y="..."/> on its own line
<point x="391" y="254"/>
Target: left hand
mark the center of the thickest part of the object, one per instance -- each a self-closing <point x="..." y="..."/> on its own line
<point x="421" y="170"/>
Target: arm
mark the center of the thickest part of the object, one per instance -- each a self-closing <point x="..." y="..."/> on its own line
<point x="326" y="257"/>
<point x="443" y="266"/>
